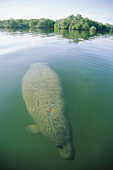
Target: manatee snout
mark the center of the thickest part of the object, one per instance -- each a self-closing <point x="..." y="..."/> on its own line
<point x="67" y="151"/>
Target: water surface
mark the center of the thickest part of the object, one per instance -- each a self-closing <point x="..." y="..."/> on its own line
<point x="84" y="64"/>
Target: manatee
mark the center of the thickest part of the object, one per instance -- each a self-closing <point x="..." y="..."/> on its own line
<point x="43" y="96"/>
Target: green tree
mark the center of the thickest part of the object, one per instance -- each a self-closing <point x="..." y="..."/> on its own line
<point x="6" y="23"/>
<point x="108" y="26"/>
<point x="111" y="29"/>
<point x="101" y="27"/>
<point x="57" y="25"/>
<point x="1" y="24"/>
<point x="93" y="29"/>
<point x="33" y="22"/>
<point x="77" y="26"/>
<point x="72" y="26"/>
<point x="71" y="22"/>
<point x="79" y="17"/>
<point x="71" y="17"/>
<point x="45" y="23"/>
<point x="65" y="23"/>
<point x="86" y="26"/>
<point x="13" y="24"/>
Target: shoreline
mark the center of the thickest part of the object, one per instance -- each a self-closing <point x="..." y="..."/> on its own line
<point x="60" y="29"/>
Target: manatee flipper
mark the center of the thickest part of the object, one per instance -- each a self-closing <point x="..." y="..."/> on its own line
<point x="33" y="129"/>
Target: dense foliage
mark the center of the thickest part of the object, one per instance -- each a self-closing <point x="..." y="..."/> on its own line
<point x="23" y="23"/>
<point x="79" y="23"/>
<point x="71" y="23"/>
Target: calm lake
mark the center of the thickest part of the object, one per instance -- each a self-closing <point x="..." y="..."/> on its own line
<point x="84" y="64"/>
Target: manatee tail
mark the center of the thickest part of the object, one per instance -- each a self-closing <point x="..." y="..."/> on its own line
<point x="33" y="129"/>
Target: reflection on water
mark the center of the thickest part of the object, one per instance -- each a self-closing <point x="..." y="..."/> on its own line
<point x="77" y="35"/>
<point x="17" y="39"/>
<point x="85" y="70"/>
<point x="74" y="35"/>
<point x="42" y="32"/>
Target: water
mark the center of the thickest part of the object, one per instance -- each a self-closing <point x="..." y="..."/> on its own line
<point x="84" y="64"/>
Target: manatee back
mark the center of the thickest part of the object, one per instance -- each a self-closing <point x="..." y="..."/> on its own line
<point x="42" y="94"/>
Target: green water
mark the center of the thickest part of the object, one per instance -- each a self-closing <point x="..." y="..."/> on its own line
<point x="84" y="64"/>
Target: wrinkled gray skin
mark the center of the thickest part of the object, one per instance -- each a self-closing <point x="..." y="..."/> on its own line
<point x="43" y="97"/>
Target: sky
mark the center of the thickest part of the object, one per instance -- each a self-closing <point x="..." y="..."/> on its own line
<point x="98" y="10"/>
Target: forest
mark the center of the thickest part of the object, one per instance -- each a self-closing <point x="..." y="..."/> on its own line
<point x="79" y="23"/>
<point x="24" y="23"/>
<point x="70" y="23"/>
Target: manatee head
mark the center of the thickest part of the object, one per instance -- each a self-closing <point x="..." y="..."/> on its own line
<point x="67" y="151"/>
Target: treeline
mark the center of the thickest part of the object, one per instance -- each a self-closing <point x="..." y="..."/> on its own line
<point x="24" y="23"/>
<point x="70" y="23"/>
<point x="79" y="23"/>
